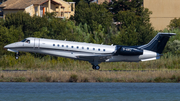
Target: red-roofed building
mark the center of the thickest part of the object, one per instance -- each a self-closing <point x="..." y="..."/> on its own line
<point x="39" y="7"/>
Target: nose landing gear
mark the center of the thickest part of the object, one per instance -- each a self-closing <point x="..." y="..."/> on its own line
<point x="17" y="55"/>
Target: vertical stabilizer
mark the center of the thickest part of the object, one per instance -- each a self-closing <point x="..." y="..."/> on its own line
<point x="158" y="43"/>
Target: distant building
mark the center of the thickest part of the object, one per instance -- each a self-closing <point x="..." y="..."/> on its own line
<point x="163" y="11"/>
<point x="101" y="1"/>
<point x="38" y="7"/>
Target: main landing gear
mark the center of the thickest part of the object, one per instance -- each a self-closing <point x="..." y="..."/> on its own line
<point x="95" y="63"/>
<point x="17" y="55"/>
<point x="96" y="67"/>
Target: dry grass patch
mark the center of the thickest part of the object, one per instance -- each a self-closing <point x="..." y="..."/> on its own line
<point x="90" y="76"/>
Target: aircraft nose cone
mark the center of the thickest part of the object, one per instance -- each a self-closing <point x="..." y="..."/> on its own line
<point x="14" y="45"/>
<point x="6" y="46"/>
<point x="10" y="45"/>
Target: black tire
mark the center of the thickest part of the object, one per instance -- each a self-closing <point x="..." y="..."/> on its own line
<point x="97" y="67"/>
<point x="93" y="67"/>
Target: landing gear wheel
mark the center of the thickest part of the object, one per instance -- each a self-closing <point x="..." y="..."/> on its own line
<point x="16" y="55"/>
<point x="97" y="67"/>
<point x="93" y="67"/>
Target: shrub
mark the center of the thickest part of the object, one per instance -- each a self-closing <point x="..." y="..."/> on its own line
<point x="158" y="79"/>
<point x="73" y="78"/>
<point x="85" y="80"/>
<point x="175" y="23"/>
<point x="19" y="79"/>
<point x="48" y="78"/>
<point x="173" y="47"/>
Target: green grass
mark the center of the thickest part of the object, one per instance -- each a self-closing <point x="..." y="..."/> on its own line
<point x="29" y="62"/>
<point x="57" y="69"/>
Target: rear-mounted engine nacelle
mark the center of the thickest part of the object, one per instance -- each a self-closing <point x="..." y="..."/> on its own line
<point x="128" y="51"/>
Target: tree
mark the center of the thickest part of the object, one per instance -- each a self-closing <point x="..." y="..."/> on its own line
<point x="8" y="36"/>
<point x="173" y="47"/>
<point x="93" y="15"/>
<point x="134" y="21"/>
<point x="175" y="23"/>
<point x="29" y="24"/>
<point x="125" y="5"/>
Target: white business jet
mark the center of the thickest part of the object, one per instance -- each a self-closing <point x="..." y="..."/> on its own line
<point x="93" y="53"/>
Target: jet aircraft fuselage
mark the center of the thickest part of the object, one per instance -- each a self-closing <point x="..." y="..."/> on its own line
<point x="93" y="53"/>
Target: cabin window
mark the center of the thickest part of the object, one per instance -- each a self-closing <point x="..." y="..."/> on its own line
<point x="93" y="48"/>
<point x="66" y="46"/>
<point x="82" y="47"/>
<point x="71" y="46"/>
<point x="98" y="49"/>
<point x="87" y="48"/>
<point x="104" y="50"/>
<point x="58" y="45"/>
<point x="62" y="45"/>
<point x="77" y="47"/>
<point x="53" y="44"/>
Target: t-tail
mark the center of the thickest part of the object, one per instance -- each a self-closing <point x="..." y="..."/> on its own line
<point x="158" y="43"/>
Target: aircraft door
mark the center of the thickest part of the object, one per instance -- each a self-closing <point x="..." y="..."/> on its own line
<point x="36" y="43"/>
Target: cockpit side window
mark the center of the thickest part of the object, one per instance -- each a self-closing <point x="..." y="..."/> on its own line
<point x="27" y="41"/>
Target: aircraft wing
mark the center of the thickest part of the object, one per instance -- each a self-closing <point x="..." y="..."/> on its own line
<point x="92" y="58"/>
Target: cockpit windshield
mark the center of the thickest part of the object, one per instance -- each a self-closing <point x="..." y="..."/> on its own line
<point x="24" y="40"/>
